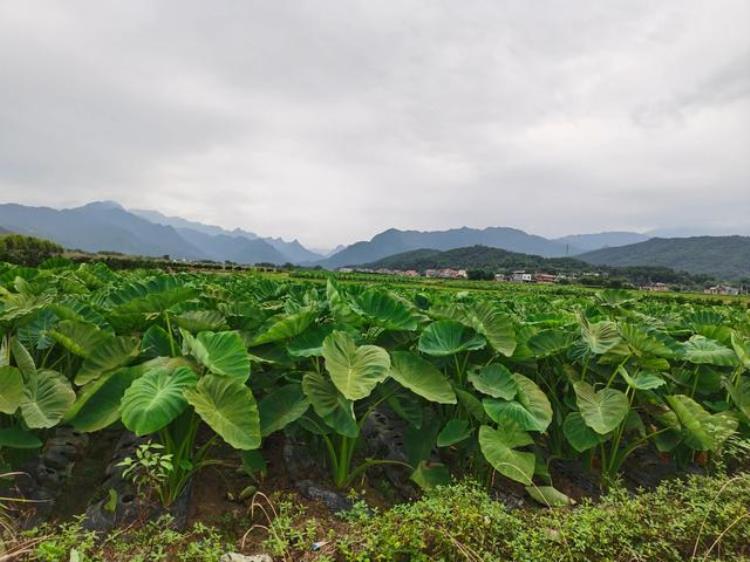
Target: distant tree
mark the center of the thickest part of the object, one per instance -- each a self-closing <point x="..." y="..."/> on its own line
<point x="27" y="250"/>
<point x="480" y="275"/>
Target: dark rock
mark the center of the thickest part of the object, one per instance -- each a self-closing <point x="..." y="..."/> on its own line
<point x="297" y="459"/>
<point x="335" y="501"/>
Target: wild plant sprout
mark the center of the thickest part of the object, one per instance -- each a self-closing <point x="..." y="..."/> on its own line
<point x="148" y="470"/>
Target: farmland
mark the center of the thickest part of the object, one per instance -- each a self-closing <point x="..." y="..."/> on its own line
<point x="183" y="416"/>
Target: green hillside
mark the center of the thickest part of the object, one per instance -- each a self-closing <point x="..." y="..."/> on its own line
<point x="495" y="260"/>
<point x="724" y="257"/>
<point x="479" y="257"/>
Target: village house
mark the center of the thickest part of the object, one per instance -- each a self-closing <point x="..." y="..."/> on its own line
<point x="544" y="278"/>
<point x="521" y="277"/>
<point x="446" y="273"/>
<point x="722" y="290"/>
<point x="656" y="287"/>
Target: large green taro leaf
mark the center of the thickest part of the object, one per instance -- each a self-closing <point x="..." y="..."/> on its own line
<point x="740" y="394"/>
<point x="154" y="295"/>
<point x="642" y="380"/>
<point x="11" y="389"/>
<point x="421" y="377"/>
<point x="499" y="448"/>
<point x="549" y="496"/>
<point x="447" y="337"/>
<point x="195" y="321"/>
<point x="355" y="371"/>
<point x="701" y="430"/>
<point x="550" y="342"/>
<point x="599" y="337"/>
<point x="281" y="407"/>
<point x="530" y="410"/>
<point x="98" y="403"/>
<point x="229" y="408"/>
<point x="222" y="353"/>
<point x="339" y="305"/>
<point x="80" y="338"/>
<point x="647" y="341"/>
<point x="385" y="310"/>
<point x="494" y="380"/>
<point x="703" y="351"/>
<point x="309" y="343"/>
<point x="580" y="436"/>
<point x="742" y="349"/>
<point x="47" y="396"/>
<point x="154" y="400"/>
<point x="111" y="353"/>
<point x="494" y="325"/>
<point x="603" y="411"/>
<point x="156" y="343"/>
<point x="18" y="438"/>
<point x="454" y="431"/>
<point x="284" y="327"/>
<point x="330" y="404"/>
<point x="24" y="360"/>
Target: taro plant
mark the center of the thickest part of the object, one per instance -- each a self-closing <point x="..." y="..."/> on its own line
<point x="170" y="396"/>
<point x="353" y="374"/>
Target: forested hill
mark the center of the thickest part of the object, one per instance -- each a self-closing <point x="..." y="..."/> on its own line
<point x="724" y="257"/>
<point x="479" y="257"/>
<point x="495" y="260"/>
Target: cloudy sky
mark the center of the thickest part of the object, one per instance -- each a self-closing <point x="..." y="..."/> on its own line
<point x="331" y="121"/>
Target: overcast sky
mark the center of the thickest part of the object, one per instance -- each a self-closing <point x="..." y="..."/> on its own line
<point x="331" y="121"/>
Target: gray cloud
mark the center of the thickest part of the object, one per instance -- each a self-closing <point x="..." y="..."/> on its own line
<point x="330" y="121"/>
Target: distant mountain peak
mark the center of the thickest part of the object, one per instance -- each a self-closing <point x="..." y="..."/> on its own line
<point x="105" y="205"/>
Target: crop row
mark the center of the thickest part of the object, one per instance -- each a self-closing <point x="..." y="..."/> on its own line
<point x="485" y="382"/>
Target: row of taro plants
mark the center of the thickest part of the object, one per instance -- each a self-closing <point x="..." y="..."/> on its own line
<point x="495" y="382"/>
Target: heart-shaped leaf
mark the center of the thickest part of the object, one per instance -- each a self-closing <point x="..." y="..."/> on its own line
<point x="11" y="393"/>
<point x="494" y="325"/>
<point x="498" y="447"/>
<point x="80" y="338"/>
<point x="494" y="380"/>
<point x="284" y="327"/>
<point x="599" y="337"/>
<point x="229" y="408"/>
<point x="453" y="432"/>
<point x="531" y="409"/>
<point x="154" y="400"/>
<point x="701" y="430"/>
<point x="355" y="371"/>
<point x="309" y="343"/>
<point x="222" y="353"/>
<point x="550" y="342"/>
<point x="335" y="410"/>
<point x="703" y="351"/>
<point x="47" y="395"/>
<point x="281" y="407"/>
<point x="18" y="438"/>
<point x="111" y="353"/>
<point x="580" y="436"/>
<point x="195" y="321"/>
<point x="447" y="337"/>
<point x="603" y="411"/>
<point x="549" y="496"/>
<point x="385" y="310"/>
<point x="421" y="377"/>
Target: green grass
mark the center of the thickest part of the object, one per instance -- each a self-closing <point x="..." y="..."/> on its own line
<point x="698" y="518"/>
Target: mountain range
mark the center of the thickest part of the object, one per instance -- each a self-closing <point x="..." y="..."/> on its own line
<point x="725" y="257"/>
<point x="395" y="241"/>
<point x="108" y="226"/>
